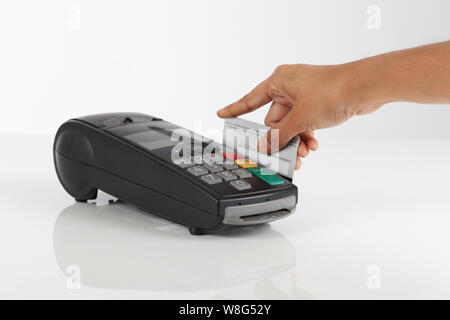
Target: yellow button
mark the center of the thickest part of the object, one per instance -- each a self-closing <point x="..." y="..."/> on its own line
<point x="246" y="163"/>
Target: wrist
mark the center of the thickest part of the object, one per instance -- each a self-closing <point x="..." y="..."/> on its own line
<point x="364" y="86"/>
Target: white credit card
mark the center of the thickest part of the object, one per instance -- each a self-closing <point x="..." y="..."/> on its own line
<point x="242" y="136"/>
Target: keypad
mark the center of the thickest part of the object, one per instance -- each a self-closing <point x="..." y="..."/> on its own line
<point x="246" y="163"/>
<point x="231" y="168"/>
<point x="211" y="178"/>
<point x="242" y="173"/>
<point x="240" y="185"/>
<point x="197" y="170"/>
<point x="227" y="175"/>
<point x="230" y="165"/>
<point x="213" y="167"/>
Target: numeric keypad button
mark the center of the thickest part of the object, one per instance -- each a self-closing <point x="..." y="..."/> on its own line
<point x="211" y="178"/>
<point x="213" y="167"/>
<point x="197" y="171"/>
<point x="227" y="175"/>
<point x="242" y="173"/>
<point x="240" y="185"/>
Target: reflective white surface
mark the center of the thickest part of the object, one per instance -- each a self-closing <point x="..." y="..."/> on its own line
<point x="372" y="222"/>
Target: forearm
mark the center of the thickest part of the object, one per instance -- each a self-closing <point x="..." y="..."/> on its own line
<point x="420" y="75"/>
<point x="305" y="98"/>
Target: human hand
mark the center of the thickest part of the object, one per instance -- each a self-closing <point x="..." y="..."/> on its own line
<point x="307" y="97"/>
<point x="304" y="98"/>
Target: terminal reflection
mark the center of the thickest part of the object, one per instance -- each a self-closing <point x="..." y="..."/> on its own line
<point x="117" y="246"/>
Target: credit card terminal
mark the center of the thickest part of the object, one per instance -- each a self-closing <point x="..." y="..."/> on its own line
<point x="131" y="156"/>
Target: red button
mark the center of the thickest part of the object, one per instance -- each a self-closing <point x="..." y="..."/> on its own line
<point x="231" y="155"/>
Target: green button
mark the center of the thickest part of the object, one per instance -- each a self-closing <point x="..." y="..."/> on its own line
<point x="267" y="175"/>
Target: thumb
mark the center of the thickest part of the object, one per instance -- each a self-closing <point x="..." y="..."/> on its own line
<point x="279" y="135"/>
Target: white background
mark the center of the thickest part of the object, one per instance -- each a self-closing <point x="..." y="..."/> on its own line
<point x="373" y="213"/>
<point x="182" y="60"/>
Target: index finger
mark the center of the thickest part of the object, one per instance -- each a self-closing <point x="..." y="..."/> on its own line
<point x="256" y="98"/>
